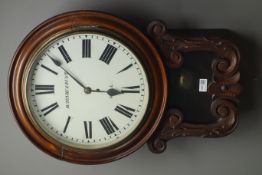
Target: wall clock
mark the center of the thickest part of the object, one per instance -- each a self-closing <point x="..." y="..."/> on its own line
<point x="88" y="87"/>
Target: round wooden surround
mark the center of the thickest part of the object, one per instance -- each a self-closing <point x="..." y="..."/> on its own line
<point x="94" y="22"/>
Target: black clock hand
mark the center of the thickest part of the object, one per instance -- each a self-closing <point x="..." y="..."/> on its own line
<point x="59" y="64"/>
<point x="113" y="92"/>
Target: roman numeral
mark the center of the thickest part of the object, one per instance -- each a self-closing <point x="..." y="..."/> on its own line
<point x="50" y="70"/>
<point x="109" y="126"/>
<point x="125" y="68"/>
<point x="49" y="108"/>
<point x="44" y="89"/>
<point x="131" y="89"/>
<point x="126" y="111"/>
<point x="86" y="48"/>
<point x="88" y="129"/>
<point x="64" y="53"/>
<point x="108" y="54"/>
<point x="67" y="122"/>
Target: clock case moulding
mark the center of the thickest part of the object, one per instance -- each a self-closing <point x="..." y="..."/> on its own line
<point x="164" y="53"/>
<point x="90" y="21"/>
<point x="223" y="89"/>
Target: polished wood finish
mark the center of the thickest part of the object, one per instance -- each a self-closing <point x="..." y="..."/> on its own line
<point x="161" y="123"/>
<point x="94" y="22"/>
<point x="224" y="88"/>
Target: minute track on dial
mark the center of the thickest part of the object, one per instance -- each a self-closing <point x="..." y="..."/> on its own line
<point x="81" y="123"/>
<point x="105" y="54"/>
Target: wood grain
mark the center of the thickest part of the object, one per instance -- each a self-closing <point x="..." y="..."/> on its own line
<point x="89" y="21"/>
<point x="224" y="88"/>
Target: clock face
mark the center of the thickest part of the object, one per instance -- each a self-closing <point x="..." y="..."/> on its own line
<point x="86" y="90"/>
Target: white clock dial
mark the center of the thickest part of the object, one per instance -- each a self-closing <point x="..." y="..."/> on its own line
<point x="87" y="90"/>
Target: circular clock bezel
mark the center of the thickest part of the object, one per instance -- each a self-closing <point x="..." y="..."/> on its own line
<point x="92" y="21"/>
<point x="26" y="74"/>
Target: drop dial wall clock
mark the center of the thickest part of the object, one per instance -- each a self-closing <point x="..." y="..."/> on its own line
<point x="88" y="87"/>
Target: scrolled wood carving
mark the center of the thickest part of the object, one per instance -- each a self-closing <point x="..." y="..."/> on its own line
<point x="224" y="89"/>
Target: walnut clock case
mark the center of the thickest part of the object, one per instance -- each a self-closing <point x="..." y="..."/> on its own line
<point x="90" y="88"/>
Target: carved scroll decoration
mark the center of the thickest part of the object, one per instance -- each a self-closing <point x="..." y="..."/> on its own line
<point x="224" y="89"/>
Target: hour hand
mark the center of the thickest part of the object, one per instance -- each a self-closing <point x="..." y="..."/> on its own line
<point x="112" y="92"/>
<point x="132" y="89"/>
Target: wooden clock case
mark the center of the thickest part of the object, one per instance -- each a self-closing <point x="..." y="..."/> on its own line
<point x="161" y="52"/>
<point x="222" y="91"/>
<point x="92" y="22"/>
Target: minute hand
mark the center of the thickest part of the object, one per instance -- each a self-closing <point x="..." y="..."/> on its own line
<point x="59" y="64"/>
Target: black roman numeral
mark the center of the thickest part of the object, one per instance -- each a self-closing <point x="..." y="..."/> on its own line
<point x="64" y="53"/>
<point x="125" y="68"/>
<point x="88" y="129"/>
<point x="49" y="108"/>
<point x="44" y="89"/>
<point x="131" y="89"/>
<point x="108" y="54"/>
<point x="86" y="48"/>
<point x="109" y="126"/>
<point x="67" y="122"/>
<point x="50" y="70"/>
<point x="126" y="111"/>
